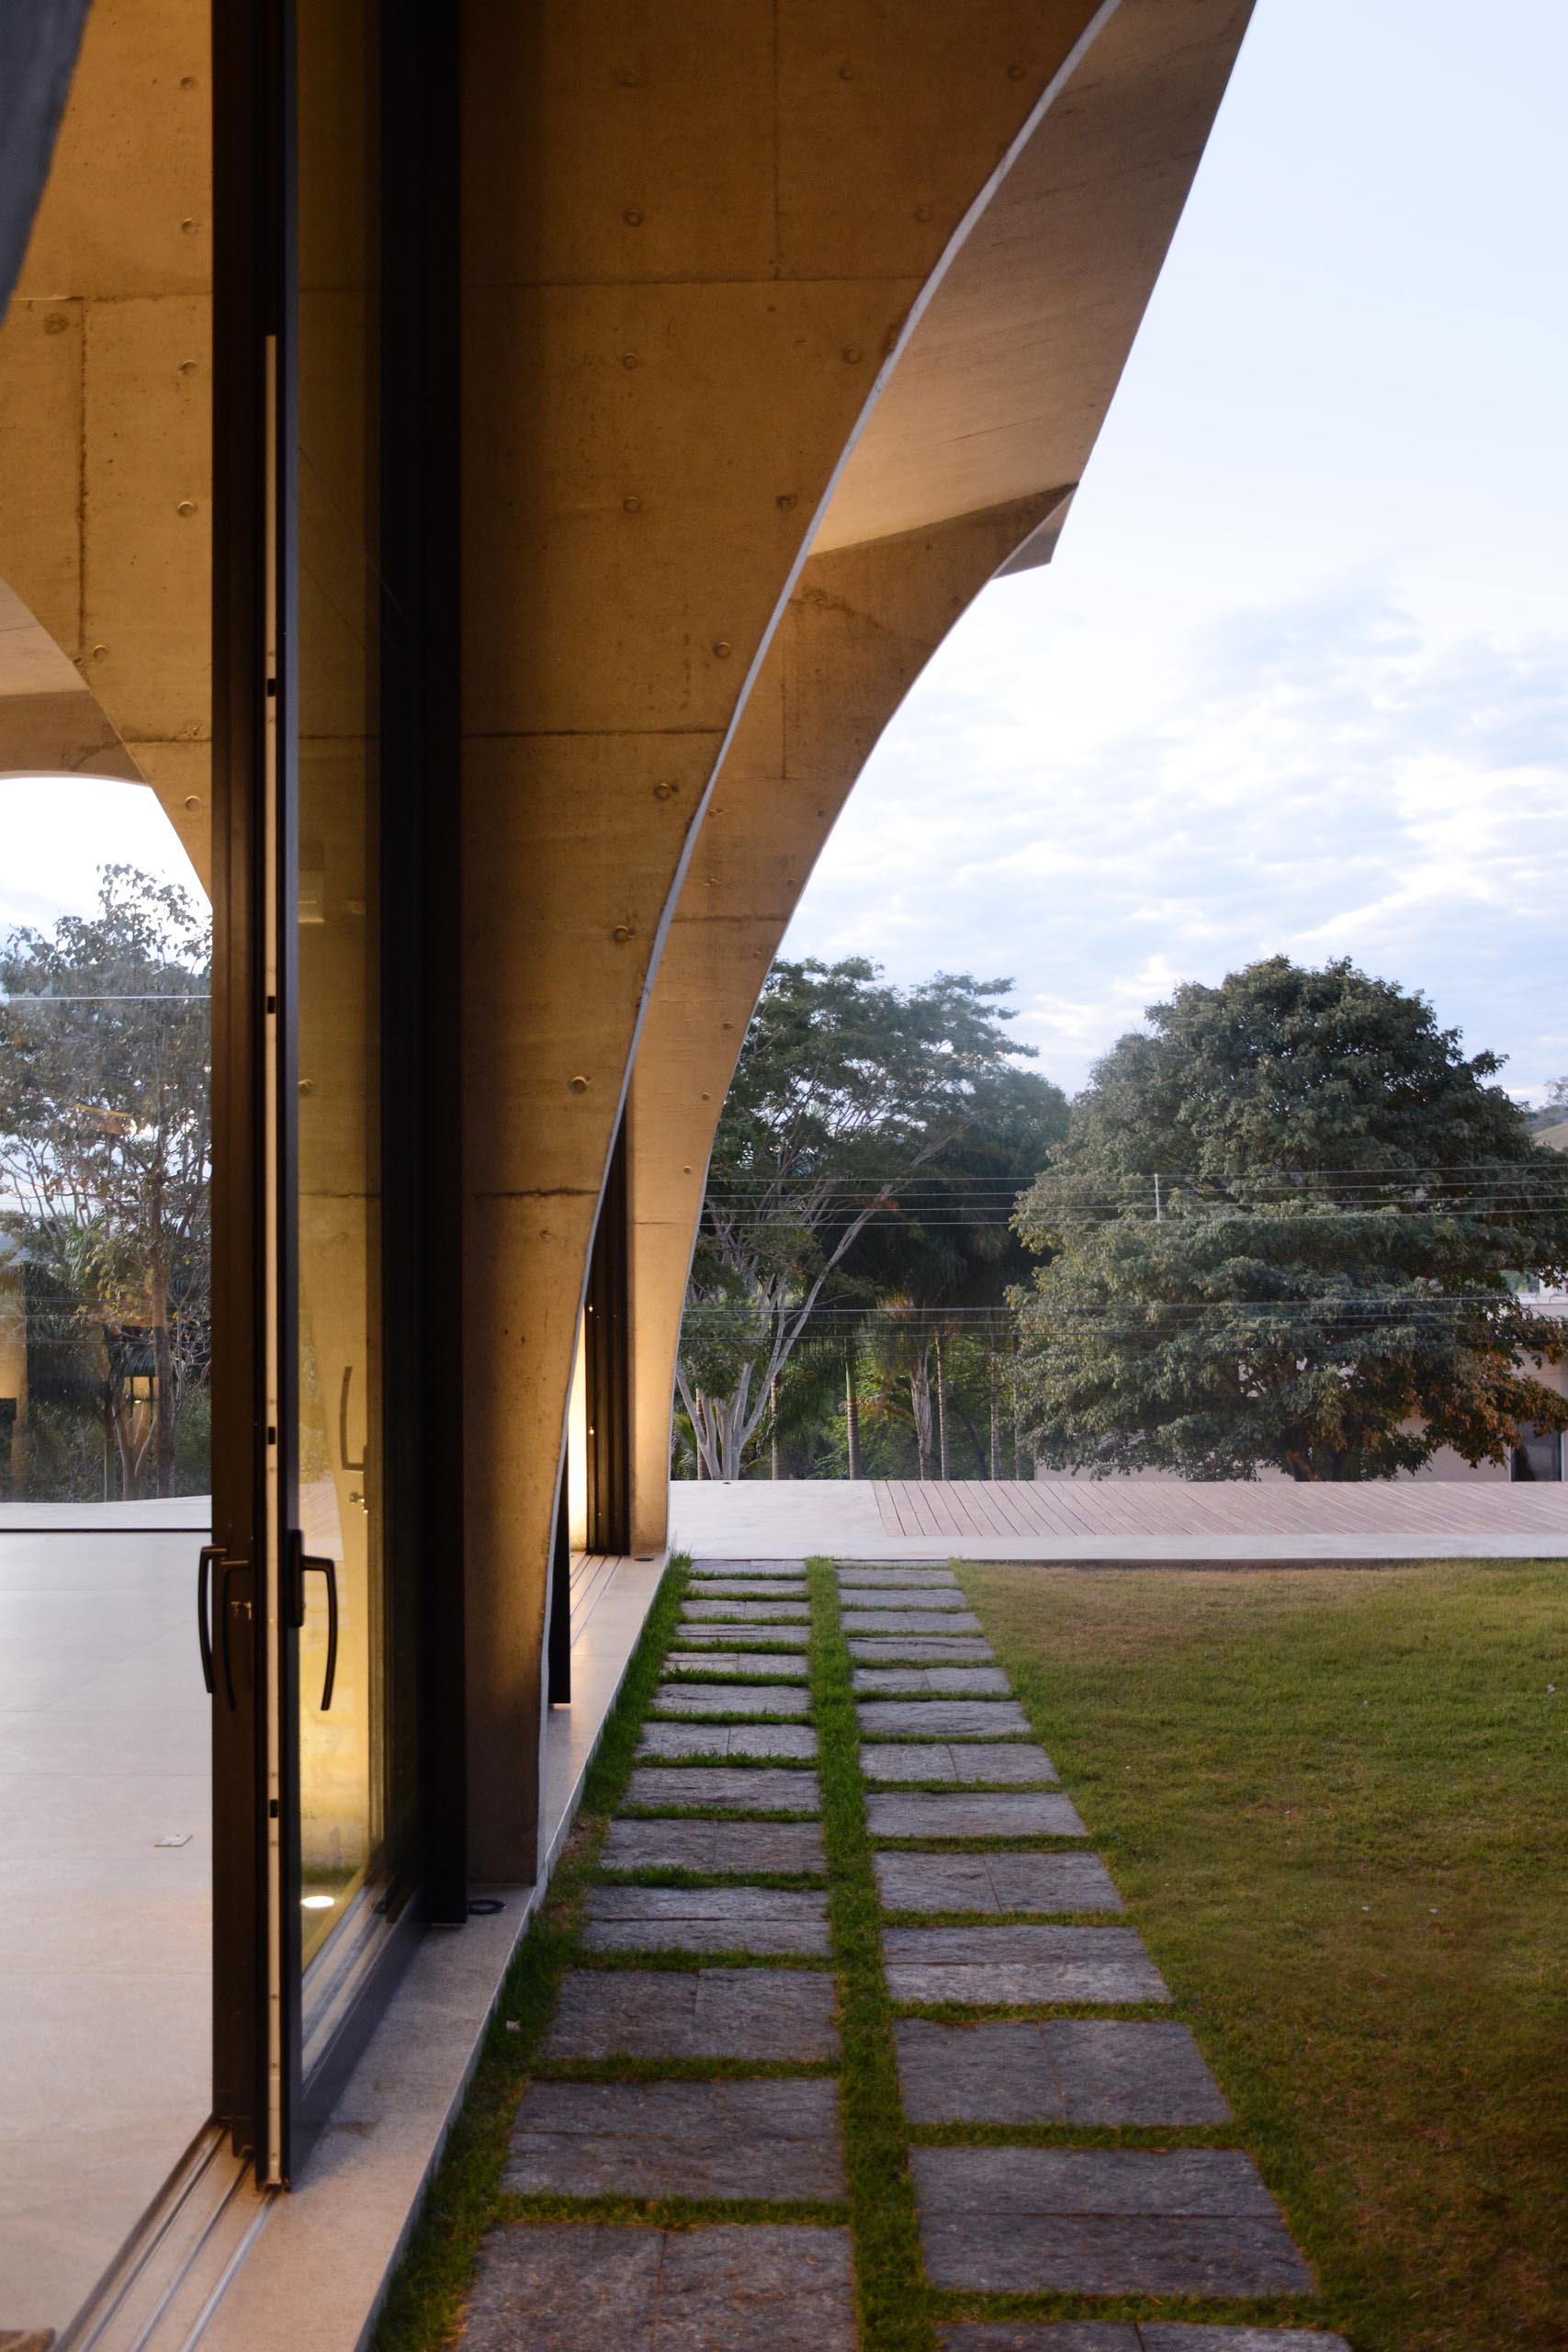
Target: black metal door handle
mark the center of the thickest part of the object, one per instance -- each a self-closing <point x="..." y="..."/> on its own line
<point x="303" y="1565"/>
<point x="209" y="1552"/>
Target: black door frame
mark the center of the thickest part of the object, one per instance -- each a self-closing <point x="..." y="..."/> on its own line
<point x="259" y="2093"/>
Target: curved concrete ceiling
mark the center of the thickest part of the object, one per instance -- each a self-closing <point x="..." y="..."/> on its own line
<point x="1007" y="378"/>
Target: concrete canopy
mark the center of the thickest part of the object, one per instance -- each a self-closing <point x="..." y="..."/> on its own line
<point x="791" y="328"/>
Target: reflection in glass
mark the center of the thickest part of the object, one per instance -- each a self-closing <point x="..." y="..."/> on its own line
<point x="339" y="1370"/>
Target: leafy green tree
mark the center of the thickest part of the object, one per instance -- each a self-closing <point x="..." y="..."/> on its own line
<point x="847" y="1091"/>
<point x="1291" y="1227"/>
<point x="942" y="1265"/>
<point x="106" y="1143"/>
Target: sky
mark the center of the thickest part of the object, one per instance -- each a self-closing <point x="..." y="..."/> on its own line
<point x="57" y="831"/>
<point x="1296" y="680"/>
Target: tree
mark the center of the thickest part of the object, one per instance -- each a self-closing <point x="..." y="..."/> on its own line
<point x="106" y="1143"/>
<point x="846" y="1090"/>
<point x="1291" y="1227"/>
<point x="942" y="1266"/>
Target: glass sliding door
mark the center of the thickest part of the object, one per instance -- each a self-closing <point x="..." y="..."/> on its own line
<point x="342" y="1281"/>
<point x="354" y="1860"/>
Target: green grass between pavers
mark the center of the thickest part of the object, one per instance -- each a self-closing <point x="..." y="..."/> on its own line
<point x="1335" y="1802"/>
<point x="425" y="2305"/>
<point x="895" y="2306"/>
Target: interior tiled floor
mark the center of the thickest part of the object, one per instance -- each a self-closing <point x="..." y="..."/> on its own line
<point x="104" y="1961"/>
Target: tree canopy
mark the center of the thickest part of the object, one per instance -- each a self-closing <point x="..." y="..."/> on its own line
<point x="106" y="1143"/>
<point x="850" y="1097"/>
<point x="1291" y="1226"/>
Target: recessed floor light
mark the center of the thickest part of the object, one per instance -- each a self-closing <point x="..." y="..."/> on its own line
<point x="316" y="1902"/>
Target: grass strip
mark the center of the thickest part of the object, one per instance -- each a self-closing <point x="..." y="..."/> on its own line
<point x="895" y="2306"/>
<point x="424" y="2306"/>
<point x="1332" y="1800"/>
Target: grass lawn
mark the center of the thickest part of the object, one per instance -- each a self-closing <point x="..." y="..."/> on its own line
<point x="1337" y="1801"/>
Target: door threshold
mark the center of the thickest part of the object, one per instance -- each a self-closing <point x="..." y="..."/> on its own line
<point x="168" y="2278"/>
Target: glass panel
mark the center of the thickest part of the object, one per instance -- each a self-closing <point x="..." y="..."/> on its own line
<point x="342" y="1747"/>
<point x="105" y="1769"/>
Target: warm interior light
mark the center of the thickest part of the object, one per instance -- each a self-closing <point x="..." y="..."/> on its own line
<point x="316" y="1902"/>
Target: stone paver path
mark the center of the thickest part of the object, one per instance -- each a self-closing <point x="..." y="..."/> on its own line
<point x="693" y="2052"/>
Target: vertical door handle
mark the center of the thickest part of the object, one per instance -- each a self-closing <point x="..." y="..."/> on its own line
<point x="303" y="1565"/>
<point x="214" y="1556"/>
<point x="209" y="1552"/>
<point x="342" y="1421"/>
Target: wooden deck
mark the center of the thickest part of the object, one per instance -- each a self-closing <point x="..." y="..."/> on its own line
<point x="1084" y="1511"/>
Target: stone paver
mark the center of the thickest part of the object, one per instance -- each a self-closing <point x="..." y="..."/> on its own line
<point x="765" y="1642"/>
<point x="909" y="1579"/>
<point x="929" y="1681"/>
<point x="762" y="2014"/>
<point x="885" y="1624"/>
<point x="1035" y="1812"/>
<point x="775" y="2139"/>
<point x="1085" y="2069"/>
<point x="1102" y="2221"/>
<point x="994" y="1883"/>
<point x="1107" y="2336"/>
<point x="915" y="1649"/>
<point x="751" y="1588"/>
<point x="567" y="2287"/>
<point x="1176" y="2336"/>
<point x="939" y="1718"/>
<point x="982" y="1965"/>
<point x="723" y="1789"/>
<point x="771" y="1921"/>
<point x="670" y="1741"/>
<point x="746" y="1612"/>
<point x="1037" y="2335"/>
<point x="933" y="1708"/>
<point x="751" y="1665"/>
<point x="717" y="1849"/>
<point x="981" y="1765"/>
<point x="731" y="1699"/>
<point x="895" y="1600"/>
<point x="752" y="1569"/>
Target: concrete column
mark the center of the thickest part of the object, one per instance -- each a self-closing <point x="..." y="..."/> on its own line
<point x="716" y="227"/>
<point x="860" y="627"/>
